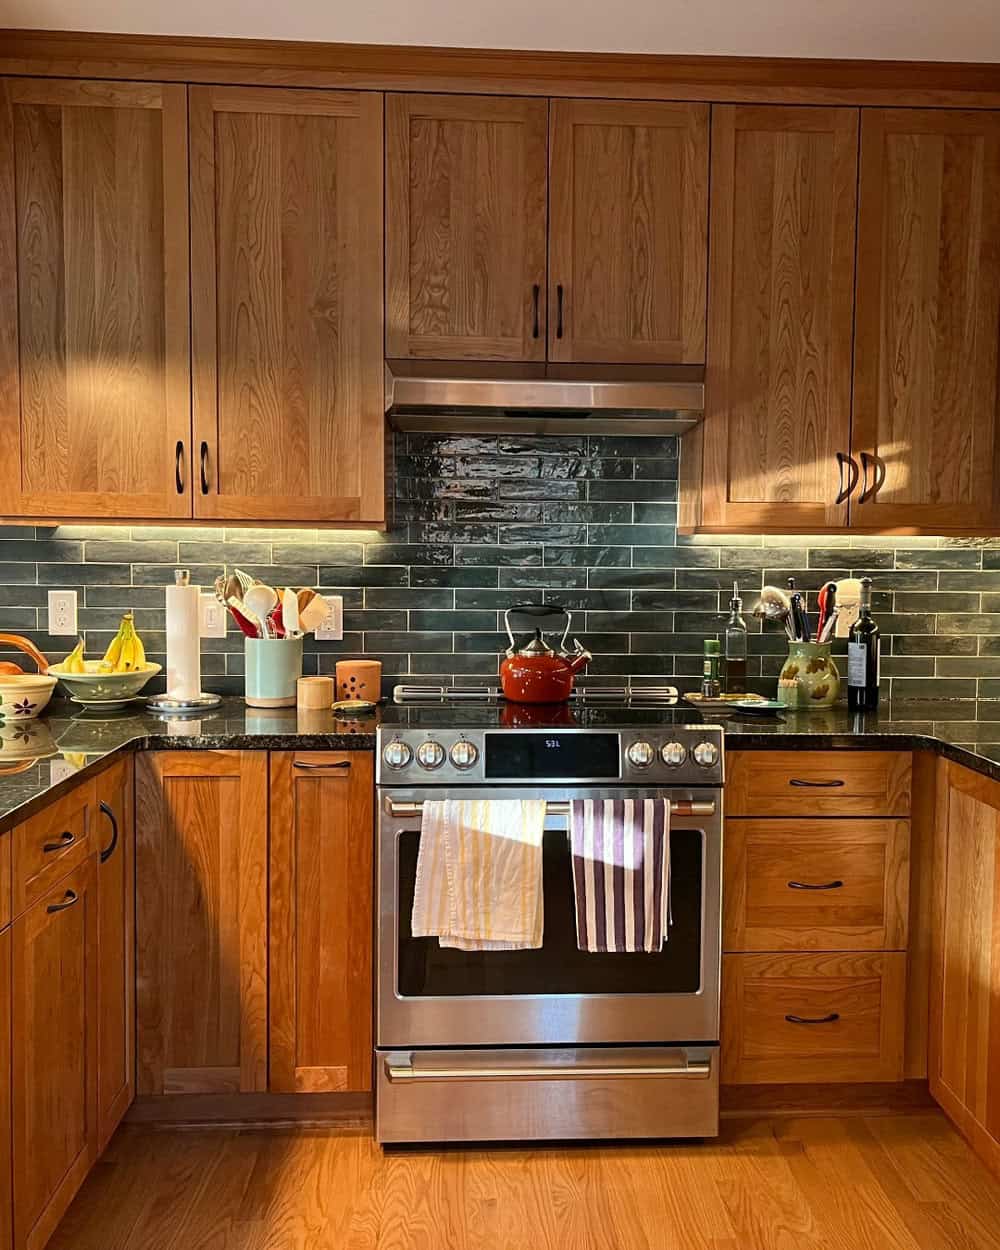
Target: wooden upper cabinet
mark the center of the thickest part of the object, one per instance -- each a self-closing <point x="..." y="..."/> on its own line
<point x="628" y="204"/>
<point x="95" y="417"/>
<point x="321" y="921"/>
<point x="286" y="303"/>
<point x="466" y="185"/>
<point x="778" y="379"/>
<point x="201" y="922"/>
<point x="928" y="319"/>
<point x="54" y="953"/>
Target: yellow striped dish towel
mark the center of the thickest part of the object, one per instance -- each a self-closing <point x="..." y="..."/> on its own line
<point x="479" y="874"/>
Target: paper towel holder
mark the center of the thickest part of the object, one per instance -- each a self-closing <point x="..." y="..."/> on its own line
<point x="171" y="705"/>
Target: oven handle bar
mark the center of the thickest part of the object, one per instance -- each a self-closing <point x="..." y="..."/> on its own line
<point x="402" y="1073"/>
<point x="681" y="807"/>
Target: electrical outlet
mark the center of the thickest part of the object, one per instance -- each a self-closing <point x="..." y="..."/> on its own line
<point x="332" y="627"/>
<point x="213" y="617"/>
<point x="62" y="612"/>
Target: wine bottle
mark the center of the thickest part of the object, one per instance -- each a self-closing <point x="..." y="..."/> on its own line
<point x="864" y="653"/>
<point x="736" y="646"/>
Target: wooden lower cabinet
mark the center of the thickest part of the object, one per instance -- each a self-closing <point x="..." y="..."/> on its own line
<point x="54" y="1052"/>
<point x="6" y="1196"/>
<point x="321" y="928"/>
<point x="964" y="1039"/>
<point x="113" y="818"/>
<point x="792" y="1017"/>
<point x="201" y="922"/>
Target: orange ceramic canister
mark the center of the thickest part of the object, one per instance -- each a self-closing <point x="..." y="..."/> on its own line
<point x="359" y="679"/>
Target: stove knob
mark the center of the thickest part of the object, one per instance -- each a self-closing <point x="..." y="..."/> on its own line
<point x="464" y="754"/>
<point x="430" y="754"/>
<point x="397" y="754"/>
<point x="640" y="754"/>
<point x="674" y="754"/>
<point x="706" y="754"/>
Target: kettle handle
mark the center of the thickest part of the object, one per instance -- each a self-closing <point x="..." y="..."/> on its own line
<point x="539" y="610"/>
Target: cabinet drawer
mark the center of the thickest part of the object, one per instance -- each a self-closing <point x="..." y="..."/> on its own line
<point x="830" y="1017"/>
<point x="816" y="885"/>
<point x="818" y="783"/>
<point x="51" y="844"/>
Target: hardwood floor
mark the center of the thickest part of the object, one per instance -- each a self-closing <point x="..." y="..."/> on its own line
<point x="845" y="1183"/>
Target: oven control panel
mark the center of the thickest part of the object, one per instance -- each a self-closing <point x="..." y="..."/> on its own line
<point x="676" y="755"/>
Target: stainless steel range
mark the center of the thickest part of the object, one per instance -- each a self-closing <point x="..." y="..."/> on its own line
<point x="551" y="1043"/>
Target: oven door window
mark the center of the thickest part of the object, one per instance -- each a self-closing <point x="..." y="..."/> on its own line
<point x="426" y="970"/>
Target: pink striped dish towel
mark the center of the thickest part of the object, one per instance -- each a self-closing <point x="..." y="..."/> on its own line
<point x="621" y="873"/>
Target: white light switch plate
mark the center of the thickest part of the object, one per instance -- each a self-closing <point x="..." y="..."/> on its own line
<point x="62" y="613"/>
<point x="214" y="617"/>
<point x="332" y="628"/>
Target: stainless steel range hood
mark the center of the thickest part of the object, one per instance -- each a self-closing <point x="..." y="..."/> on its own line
<point x="499" y="398"/>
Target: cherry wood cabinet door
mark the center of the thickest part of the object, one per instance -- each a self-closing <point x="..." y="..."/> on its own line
<point x="628" y="204"/>
<point x="286" y="304"/>
<point x="781" y="308"/>
<point x="321" y="928"/>
<point x="54" y="1069"/>
<point x="466" y="187"/>
<point x="201" y="921"/>
<point x="6" y="1196"/>
<point x="928" y="320"/>
<point x="95" y="415"/>
<point x="965" y="970"/>
<point x="113" y="818"/>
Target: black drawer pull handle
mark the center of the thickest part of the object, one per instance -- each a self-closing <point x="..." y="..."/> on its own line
<point x="179" y="468"/>
<point x="830" y="1019"/>
<point x="559" y="311"/>
<point x="68" y="900"/>
<point x="846" y="488"/>
<point x="804" y="885"/>
<point x="106" y="854"/>
<point x="65" y="839"/>
<point x="816" y="785"/>
<point x="338" y="764"/>
<point x="535" y="293"/>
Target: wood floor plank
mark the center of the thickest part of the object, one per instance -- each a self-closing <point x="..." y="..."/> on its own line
<point x="904" y="1182"/>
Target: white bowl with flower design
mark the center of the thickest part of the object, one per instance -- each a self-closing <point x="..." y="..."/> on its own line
<point x="24" y="695"/>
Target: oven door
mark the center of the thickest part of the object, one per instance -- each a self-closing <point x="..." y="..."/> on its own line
<point x="557" y="995"/>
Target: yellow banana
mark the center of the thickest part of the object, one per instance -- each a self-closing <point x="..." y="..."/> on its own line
<point x="73" y="663"/>
<point x="140" y="652"/>
<point x="114" y="650"/>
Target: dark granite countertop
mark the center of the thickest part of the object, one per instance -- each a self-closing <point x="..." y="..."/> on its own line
<point x="53" y="752"/>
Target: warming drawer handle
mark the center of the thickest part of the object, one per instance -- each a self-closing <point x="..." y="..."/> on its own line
<point x="698" y="1069"/>
<point x="830" y="1019"/>
<point x="334" y="764"/>
<point x="806" y="885"/>
<point x="816" y="785"/>
<point x="684" y="807"/>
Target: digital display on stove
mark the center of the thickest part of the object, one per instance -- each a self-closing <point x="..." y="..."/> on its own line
<point x="563" y="756"/>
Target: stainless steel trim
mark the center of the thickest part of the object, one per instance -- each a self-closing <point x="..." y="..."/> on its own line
<point x="680" y="807"/>
<point x="693" y="1070"/>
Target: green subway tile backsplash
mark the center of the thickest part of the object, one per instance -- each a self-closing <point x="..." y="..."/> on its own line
<point x="483" y="522"/>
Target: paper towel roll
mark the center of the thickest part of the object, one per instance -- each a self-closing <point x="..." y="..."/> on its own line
<point x="183" y="641"/>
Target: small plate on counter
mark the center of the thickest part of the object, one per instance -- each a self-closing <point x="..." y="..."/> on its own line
<point x="759" y="707"/>
<point x="107" y="705"/>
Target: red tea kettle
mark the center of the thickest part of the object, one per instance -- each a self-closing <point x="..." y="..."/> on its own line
<point x="537" y="673"/>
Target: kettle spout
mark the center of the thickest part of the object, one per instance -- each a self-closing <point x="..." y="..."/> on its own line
<point x="579" y="658"/>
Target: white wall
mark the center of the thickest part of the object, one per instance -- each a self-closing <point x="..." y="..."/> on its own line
<point x="960" y="30"/>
